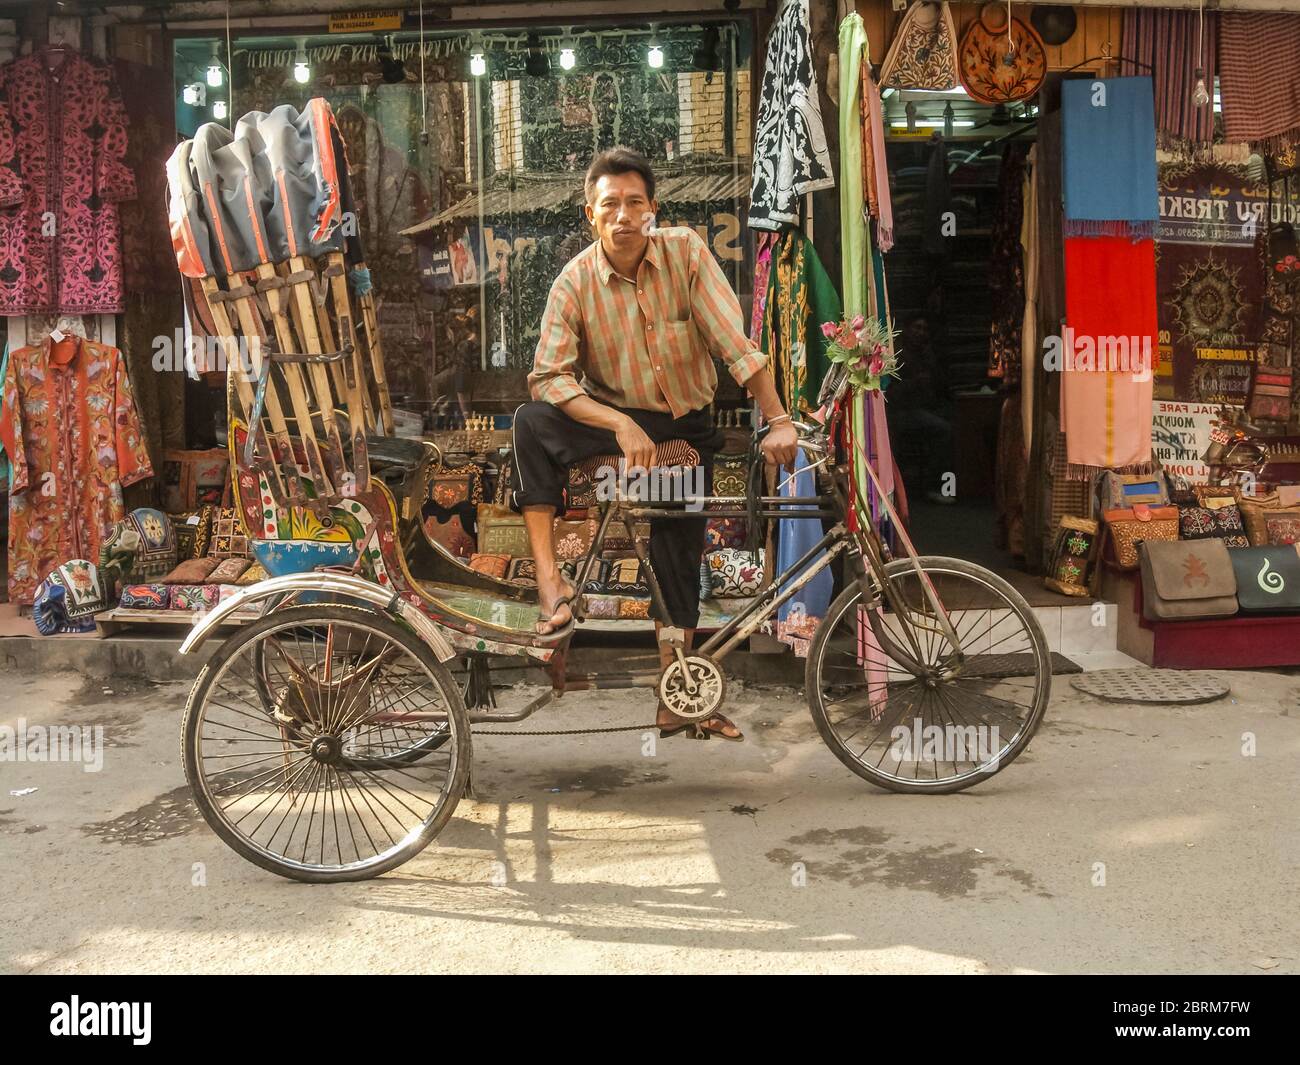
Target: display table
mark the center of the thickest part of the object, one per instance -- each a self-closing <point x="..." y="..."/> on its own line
<point x="1247" y="641"/>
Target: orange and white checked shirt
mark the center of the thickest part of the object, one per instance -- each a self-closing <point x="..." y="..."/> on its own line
<point x="643" y="343"/>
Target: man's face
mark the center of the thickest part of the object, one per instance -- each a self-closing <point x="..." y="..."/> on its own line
<point x="620" y="212"/>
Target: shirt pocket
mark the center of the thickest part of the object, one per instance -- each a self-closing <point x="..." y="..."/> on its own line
<point x="679" y="345"/>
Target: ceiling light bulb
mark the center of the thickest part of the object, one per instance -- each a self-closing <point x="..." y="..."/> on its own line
<point x="190" y="95"/>
<point x="567" y="59"/>
<point x="301" y="68"/>
<point x="219" y="110"/>
<point x="655" y="57"/>
<point x="214" y="73"/>
<point x="477" y="65"/>
<point x="1200" y="94"/>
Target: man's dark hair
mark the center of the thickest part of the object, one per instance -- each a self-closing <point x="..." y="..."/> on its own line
<point x="619" y="160"/>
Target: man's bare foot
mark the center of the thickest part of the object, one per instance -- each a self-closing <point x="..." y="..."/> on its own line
<point x="553" y="609"/>
<point x="717" y="725"/>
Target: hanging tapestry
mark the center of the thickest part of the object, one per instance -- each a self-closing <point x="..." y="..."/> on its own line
<point x="790" y="153"/>
<point x="70" y="429"/>
<point x="1209" y="282"/>
<point x="1109" y="129"/>
<point x="62" y="144"/>
<point x="801" y="296"/>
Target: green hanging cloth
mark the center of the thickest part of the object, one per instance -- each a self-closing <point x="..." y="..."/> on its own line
<point x="855" y="251"/>
<point x="800" y="297"/>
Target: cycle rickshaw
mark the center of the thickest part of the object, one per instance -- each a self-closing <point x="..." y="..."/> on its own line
<point x="331" y="739"/>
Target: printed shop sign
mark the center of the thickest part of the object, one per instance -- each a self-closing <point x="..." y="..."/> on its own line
<point x="367" y="19"/>
<point x="1180" y="435"/>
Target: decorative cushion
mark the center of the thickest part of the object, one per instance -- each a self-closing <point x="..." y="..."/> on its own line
<point x="228" y="571"/>
<point x="490" y="564"/>
<point x="1282" y="528"/>
<point x="598" y="580"/>
<point x="730" y="476"/>
<point x="450" y="512"/>
<point x="149" y="538"/>
<point x="724" y="532"/>
<point x="501" y="532"/>
<point x="252" y="575"/>
<point x="580" y="492"/>
<point x="228" y="539"/>
<point x="634" y="608"/>
<point x="735" y="573"/>
<point x="1195" y="523"/>
<point x="49" y="611"/>
<point x="185" y="534"/>
<point x="85" y="592"/>
<point x="601" y="606"/>
<point x="522" y="571"/>
<point x="573" y="538"/>
<point x="617" y="539"/>
<point x="144" y="597"/>
<point x="117" y="555"/>
<point x="193" y="596"/>
<point x="193" y="478"/>
<point x="625" y="578"/>
<point x="191" y="571"/>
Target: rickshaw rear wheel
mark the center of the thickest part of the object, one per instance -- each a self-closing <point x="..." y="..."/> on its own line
<point x="292" y="785"/>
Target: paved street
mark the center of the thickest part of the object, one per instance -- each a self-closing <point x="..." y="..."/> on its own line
<point x="582" y="854"/>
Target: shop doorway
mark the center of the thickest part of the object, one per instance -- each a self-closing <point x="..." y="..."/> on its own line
<point x="955" y="293"/>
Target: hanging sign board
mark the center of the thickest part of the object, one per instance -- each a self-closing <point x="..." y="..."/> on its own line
<point x="1180" y="435"/>
<point x="385" y="18"/>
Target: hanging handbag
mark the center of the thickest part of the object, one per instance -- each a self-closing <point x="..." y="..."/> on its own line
<point x="1128" y="526"/>
<point x="1268" y="579"/>
<point x="1118" y="490"/>
<point x="1186" y="580"/>
<point x="923" y="54"/>
<point x="1072" y="555"/>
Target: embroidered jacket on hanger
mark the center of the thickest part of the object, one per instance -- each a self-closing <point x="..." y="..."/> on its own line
<point x="70" y="428"/>
<point x="62" y="141"/>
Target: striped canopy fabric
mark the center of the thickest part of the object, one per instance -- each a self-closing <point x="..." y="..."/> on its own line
<point x="1167" y="42"/>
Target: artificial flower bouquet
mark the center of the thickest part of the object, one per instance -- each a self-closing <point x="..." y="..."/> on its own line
<point x="863" y="347"/>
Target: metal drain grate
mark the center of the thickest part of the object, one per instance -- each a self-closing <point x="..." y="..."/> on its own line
<point x="1151" y="686"/>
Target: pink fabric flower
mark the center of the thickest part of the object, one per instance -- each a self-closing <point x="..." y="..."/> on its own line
<point x="857" y="323"/>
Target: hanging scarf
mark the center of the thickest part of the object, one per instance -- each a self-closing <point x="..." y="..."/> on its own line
<point x="762" y="273"/>
<point x="1167" y="42"/>
<point x="882" y="209"/>
<point x="855" y="255"/>
<point x="1260" y="77"/>
<point x="790" y="153"/>
<point x="1110" y="291"/>
<point x="1109" y="153"/>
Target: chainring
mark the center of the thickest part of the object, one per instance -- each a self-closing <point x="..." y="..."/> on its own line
<point x="705" y="676"/>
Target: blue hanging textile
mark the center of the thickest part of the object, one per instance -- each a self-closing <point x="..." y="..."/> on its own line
<point x="797" y="619"/>
<point x="1108" y="128"/>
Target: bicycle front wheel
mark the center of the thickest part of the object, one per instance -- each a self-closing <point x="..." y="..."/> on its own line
<point x="952" y="715"/>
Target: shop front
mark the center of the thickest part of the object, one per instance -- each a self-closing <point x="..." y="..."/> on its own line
<point x="1073" y="223"/>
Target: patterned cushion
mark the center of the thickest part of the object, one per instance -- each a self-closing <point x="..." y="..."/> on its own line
<point x="227" y="571"/>
<point x="149" y="538"/>
<point x="601" y="606"/>
<point x="144" y="597"/>
<point x="191" y="571"/>
<point x="522" y="571"/>
<point x="599" y="575"/>
<point x="228" y="539"/>
<point x="501" y="532"/>
<point x="730" y="473"/>
<point x="492" y="565"/>
<point x="193" y="596"/>
<point x="724" y="532"/>
<point x="1282" y="530"/>
<point x="634" y="608"/>
<point x="1195" y="523"/>
<point x="252" y="575"/>
<point x="735" y="573"/>
<point x="573" y="538"/>
<point x="450" y="511"/>
<point x="625" y="578"/>
<point x="68" y="598"/>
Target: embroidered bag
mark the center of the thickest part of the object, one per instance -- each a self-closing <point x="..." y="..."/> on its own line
<point x="733" y="572"/>
<point x="1187" y="579"/>
<point x="1072" y="555"/>
<point x="1125" y="527"/>
<point x="923" y="54"/>
<point x="1268" y="579"/>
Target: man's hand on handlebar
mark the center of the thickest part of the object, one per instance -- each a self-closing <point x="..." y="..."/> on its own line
<point x="781" y="445"/>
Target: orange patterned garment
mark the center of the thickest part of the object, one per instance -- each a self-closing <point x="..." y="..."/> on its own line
<point x="69" y="425"/>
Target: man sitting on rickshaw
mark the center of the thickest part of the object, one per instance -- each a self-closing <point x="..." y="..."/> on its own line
<point x="624" y="363"/>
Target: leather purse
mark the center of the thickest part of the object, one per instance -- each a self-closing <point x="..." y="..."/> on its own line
<point x="1268" y="579"/>
<point x="1127" y="526"/>
<point x="1184" y="580"/>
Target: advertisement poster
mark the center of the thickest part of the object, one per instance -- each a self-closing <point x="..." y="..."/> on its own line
<point x="1180" y="435"/>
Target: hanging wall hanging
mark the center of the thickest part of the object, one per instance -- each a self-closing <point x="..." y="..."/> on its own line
<point x="923" y="54"/>
<point x="1001" y="58"/>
